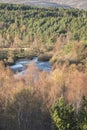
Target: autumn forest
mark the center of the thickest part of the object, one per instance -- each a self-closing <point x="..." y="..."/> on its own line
<point x="43" y="100"/>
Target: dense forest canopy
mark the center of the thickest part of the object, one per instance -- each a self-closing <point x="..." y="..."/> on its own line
<point x="20" y="25"/>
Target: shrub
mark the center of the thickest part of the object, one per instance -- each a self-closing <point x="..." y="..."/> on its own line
<point x="63" y="116"/>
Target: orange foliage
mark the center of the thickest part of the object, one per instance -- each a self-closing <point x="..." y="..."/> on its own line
<point x="68" y="82"/>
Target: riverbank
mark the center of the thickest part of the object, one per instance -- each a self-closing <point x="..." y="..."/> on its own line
<point x="11" y="55"/>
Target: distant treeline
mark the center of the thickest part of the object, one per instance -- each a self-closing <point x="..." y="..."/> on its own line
<point x="21" y="25"/>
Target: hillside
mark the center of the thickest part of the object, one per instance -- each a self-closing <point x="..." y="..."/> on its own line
<point x="40" y="3"/>
<point x="40" y="28"/>
<point x="81" y="4"/>
<point x="54" y="99"/>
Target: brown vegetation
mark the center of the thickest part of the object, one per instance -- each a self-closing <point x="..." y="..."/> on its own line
<point x="25" y="101"/>
<point x="69" y="82"/>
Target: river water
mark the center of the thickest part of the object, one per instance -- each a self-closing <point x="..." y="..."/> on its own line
<point x="21" y="65"/>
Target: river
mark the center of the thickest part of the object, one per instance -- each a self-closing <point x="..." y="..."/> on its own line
<point x="21" y="65"/>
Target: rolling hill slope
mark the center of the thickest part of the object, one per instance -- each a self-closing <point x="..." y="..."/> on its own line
<point x="41" y="3"/>
<point x="81" y="4"/>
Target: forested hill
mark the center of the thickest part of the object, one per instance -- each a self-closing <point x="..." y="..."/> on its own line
<point x="48" y="100"/>
<point x="21" y="25"/>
